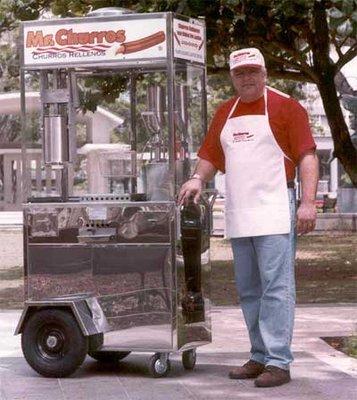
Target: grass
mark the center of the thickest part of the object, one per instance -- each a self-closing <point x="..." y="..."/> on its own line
<point x="350" y="346"/>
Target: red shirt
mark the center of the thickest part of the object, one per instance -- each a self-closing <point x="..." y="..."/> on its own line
<point x="288" y="121"/>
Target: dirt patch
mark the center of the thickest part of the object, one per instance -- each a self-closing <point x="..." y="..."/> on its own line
<point x="220" y="249"/>
<point x="326" y="271"/>
<point x="345" y="344"/>
<point x="12" y="298"/>
<point x="11" y="248"/>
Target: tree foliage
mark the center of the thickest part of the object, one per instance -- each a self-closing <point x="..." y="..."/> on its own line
<point x="303" y="40"/>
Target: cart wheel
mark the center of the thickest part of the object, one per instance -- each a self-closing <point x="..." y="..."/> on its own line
<point x="53" y="343"/>
<point x="159" y="366"/>
<point x="189" y="359"/>
<point x="111" y="357"/>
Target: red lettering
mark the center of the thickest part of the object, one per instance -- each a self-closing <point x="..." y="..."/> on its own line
<point x="110" y="36"/>
<point x="92" y="37"/>
<point x="66" y="37"/>
<point x="100" y="37"/>
<point x="61" y="37"/>
<point x="121" y="36"/>
<point x="83" y="38"/>
<point x="38" y="39"/>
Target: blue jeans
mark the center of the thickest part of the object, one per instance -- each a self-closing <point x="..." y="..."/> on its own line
<point x="265" y="278"/>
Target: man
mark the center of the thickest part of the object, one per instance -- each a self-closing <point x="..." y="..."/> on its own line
<point x="257" y="139"/>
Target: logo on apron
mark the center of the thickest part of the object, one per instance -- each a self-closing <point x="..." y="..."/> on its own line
<point x="242" y="137"/>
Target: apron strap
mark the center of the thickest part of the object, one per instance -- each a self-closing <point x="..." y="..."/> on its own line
<point x="233" y="108"/>
<point x="238" y="99"/>
<point x="266" y="102"/>
<point x="265" y="113"/>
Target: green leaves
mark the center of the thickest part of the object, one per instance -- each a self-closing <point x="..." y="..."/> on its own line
<point x="345" y="29"/>
<point x="335" y="13"/>
<point x="343" y="19"/>
<point x="348" y="6"/>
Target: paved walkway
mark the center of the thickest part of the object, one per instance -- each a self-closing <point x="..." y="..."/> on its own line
<point x="319" y="372"/>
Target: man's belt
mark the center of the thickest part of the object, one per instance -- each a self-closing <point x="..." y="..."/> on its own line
<point x="291" y="184"/>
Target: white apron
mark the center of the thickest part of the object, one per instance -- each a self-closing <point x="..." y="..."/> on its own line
<point x="257" y="201"/>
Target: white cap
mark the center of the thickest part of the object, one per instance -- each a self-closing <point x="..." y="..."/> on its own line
<point x="246" y="57"/>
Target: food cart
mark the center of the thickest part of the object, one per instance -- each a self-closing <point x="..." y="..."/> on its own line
<point x="127" y="270"/>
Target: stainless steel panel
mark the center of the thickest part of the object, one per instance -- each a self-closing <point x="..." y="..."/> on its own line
<point x="157" y="181"/>
<point x="142" y="337"/>
<point x="55" y="140"/>
<point x="131" y="281"/>
<point x="98" y="316"/>
<point x="57" y="270"/>
<point x="85" y="309"/>
<point x="109" y="12"/>
<point x="91" y="222"/>
<point x="134" y="290"/>
<point x="56" y="96"/>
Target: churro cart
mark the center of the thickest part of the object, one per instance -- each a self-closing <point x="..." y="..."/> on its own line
<point x="112" y="264"/>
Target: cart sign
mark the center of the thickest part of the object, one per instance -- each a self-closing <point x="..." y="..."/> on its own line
<point x="82" y="42"/>
<point x="189" y="40"/>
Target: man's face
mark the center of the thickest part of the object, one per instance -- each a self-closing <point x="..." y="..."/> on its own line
<point x="249" y="82"/>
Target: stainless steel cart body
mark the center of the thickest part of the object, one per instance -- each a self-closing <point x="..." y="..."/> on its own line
<point x="128" y="265"/>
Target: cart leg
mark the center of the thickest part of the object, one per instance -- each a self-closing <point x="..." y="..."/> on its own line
<point x="189" y="359"/>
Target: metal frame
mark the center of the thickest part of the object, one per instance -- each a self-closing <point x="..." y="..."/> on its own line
<point x="169" y="64"/>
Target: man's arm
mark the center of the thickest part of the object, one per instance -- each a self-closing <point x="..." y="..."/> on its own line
<point x="309" y="175"/>
<point x="193" y="187"/>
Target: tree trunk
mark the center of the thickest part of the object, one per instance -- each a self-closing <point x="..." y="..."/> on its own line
<point x="343" y="146"/>
<point x="326" y="71"/>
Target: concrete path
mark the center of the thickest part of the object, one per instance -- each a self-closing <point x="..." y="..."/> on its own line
<point x="318" y="373"/>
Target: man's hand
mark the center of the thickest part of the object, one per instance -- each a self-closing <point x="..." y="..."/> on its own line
<point x="309" y="174"/>
<point x="204" y="172"/>
<point x="306" y="217"/>
<point x="192" y="187"/>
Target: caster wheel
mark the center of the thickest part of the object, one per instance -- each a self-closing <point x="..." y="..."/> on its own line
<point x="110" y="357"/>
<point x="189" y="359"/>
<point x="53" y="343"/>
<point x="159" y="366"/>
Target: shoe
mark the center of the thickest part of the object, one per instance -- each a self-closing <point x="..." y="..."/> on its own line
<point x="250" y="370"/>
<point x="272" y="376"/>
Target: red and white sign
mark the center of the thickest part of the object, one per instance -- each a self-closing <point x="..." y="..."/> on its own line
<point x="189" y="40"/>
<point x="73" y="42"/>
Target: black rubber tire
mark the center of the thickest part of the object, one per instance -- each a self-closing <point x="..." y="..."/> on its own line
<point x="157" y="369"/>
<point x="63" y="358"/>
<point x="189" y="359"/>
<point x="111" y="357"/>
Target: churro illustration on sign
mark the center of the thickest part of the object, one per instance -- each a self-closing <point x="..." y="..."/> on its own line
<point x="141" y="44"/>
